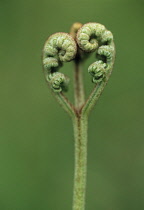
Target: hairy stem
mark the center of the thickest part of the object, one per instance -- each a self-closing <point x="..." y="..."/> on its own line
<point x="64" y="102"/>
<point x="96" y="92"/>
<point x="79" y="94"/>
<point x="94" y="96"/>
<point x="80" y="135"/>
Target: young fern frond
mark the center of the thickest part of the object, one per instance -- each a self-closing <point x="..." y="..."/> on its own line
<point x="95" y="37"/>
<point x="59" y="48"/>
<point x="77" y="46"/>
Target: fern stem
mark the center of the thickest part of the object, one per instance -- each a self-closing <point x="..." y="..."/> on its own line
<point x="80" y="135"/>
<point x="79" y="93"/>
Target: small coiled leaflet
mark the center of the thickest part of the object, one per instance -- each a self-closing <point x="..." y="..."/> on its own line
<point x="59" y="48"/>
<point x="95" y="37"/>
<point x="58" y="82"/>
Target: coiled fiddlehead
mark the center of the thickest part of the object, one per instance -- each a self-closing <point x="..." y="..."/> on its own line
<point x="59" y="48"/>
<point x="95" y="37"/>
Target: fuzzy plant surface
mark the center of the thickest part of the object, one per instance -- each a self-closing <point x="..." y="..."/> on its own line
<point x="76" y="46"/>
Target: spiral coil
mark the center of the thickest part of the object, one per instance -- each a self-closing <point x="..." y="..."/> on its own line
<point x="95" y="37"/>
<point x="59" y="48"/>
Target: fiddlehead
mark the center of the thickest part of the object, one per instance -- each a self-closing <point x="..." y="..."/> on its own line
<point x="95" y="37"/>
<point x="59" y="48"/>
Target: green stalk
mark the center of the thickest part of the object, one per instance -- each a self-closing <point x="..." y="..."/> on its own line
<point x="79" y="94"/>
<point x="80" y="141"/>
<point x="80" y="136"/>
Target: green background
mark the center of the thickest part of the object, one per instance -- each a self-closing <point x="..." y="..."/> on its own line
<point x="36" y="136"/>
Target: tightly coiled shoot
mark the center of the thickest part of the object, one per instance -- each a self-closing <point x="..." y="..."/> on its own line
<point x="95" y="37"/>
<point x="59" y="48"/>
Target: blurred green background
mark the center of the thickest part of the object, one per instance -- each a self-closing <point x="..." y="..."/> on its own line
<point x="36" y="136"/>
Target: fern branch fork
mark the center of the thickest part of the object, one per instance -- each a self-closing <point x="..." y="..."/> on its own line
<point x="77" y="46"/>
